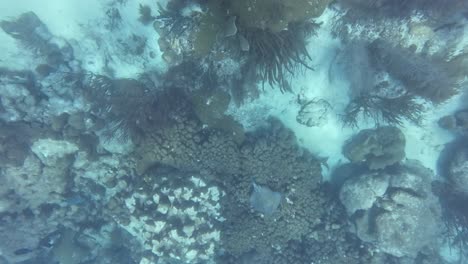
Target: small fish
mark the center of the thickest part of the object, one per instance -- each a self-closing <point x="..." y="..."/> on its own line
<point x="50" y="240"/>
<point x="74" y="200"/>
<point x="22" y="251"/>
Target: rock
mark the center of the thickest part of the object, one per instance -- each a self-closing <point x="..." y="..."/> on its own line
<point x="313" y="113"/>
<point x="448" y="122"/>
<point x="410" y="226"/>
<point x="400" y="216"/>
<point x="360" y="192"/>
<point x="414" y="177"/>
<point x="35" y="184"/>
<point x="51" y="151"/>
<point x="21" y="238"/>
<point x="456" y="122"/>
<point x="377" y="148"/>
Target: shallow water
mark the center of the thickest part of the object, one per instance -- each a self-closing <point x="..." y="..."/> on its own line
<point x="233" y="131"/>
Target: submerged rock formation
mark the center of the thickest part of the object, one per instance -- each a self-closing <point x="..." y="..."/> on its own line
<point x="395" y="211"/>
<point x="377" y="148"/>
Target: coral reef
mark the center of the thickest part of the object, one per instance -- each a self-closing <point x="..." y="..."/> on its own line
<point x="275" y="16"/>
<point x="177" y="218"/>
<point x="187" y="145"/>
<point x="401" y="201"/>
<point x="271" y="158"/>
<point x="406" y="50"/>
<point x="383" y="110"/>
<point x="41" y="178"/>
<point x="362" y="191"/>
<point x="428" y="77"/>
<point x="402" y="8"/>
<point x="372" y="95"/>
<point x="126" y="103"/>
<point x="377" y="148"/>
<point x="274" y="55"/>
<point x="34" y="34"/>
<point x="149" y="168"/>
<point x="270" y="49"/>
<point x="210" y="108"/>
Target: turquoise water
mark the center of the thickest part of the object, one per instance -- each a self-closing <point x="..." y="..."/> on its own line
<point x="240" y="131"/>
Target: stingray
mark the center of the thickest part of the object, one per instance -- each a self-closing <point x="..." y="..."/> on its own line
<point x="264" y="200"/>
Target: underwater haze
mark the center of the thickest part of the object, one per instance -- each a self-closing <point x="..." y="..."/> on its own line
<point x="234" y="131"/>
